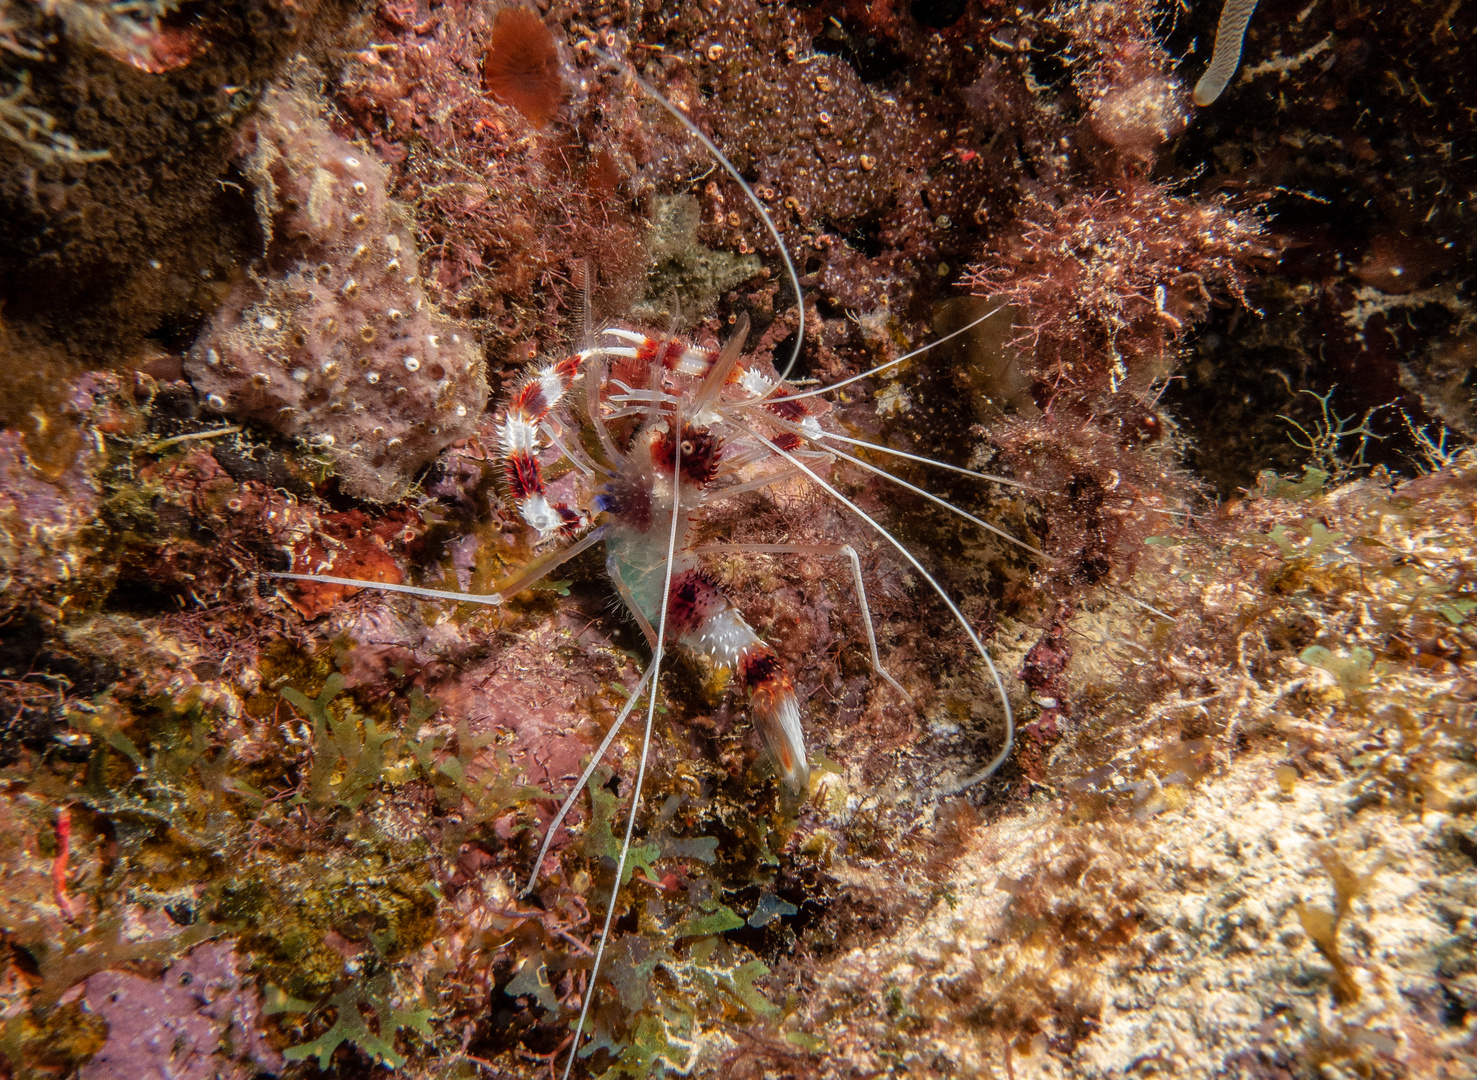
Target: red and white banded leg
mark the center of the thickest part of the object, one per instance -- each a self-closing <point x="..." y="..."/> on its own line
<point x="525" y="425"/>
<point x="701" y="618"/>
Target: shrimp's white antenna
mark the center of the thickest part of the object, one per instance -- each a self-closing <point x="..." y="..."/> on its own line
<point x="873" y="371"/>
<point x="915" y="489"/>
<point x="490" y="599"/>
<point x="579" y="785"/>
<point x="654" y="671"/>
<point x="881" y="449"/>
<point x="974" y="638"/>
<point x="511" y="585"/>
<point x="728" y="167"/>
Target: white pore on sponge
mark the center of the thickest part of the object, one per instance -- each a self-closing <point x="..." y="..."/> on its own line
<point x="330" y="338"/>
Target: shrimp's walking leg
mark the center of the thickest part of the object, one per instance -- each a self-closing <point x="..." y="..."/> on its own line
<point x="825" y="550"/>
<point x="514" y="583"/>
<point x="974" y="638"/>
<point x="537" y="569"/>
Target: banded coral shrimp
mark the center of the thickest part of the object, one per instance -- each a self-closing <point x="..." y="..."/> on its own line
<point x="655" y="430"/>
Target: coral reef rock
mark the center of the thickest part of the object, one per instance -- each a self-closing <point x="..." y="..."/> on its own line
<point x="48" y="503"/>
<point x="1252" y="856"/>
<point x="189" y="1025"/>
<point x="1203" y="941"/>
<point x="331" y="339"/>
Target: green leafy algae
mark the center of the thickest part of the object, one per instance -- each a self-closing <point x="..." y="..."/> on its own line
<point x="348" y="751"/>
<point x="377" y="995"/>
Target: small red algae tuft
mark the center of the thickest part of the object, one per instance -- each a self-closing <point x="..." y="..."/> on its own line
<point x="521" y="66"/>
<point x="1109" y="280"/>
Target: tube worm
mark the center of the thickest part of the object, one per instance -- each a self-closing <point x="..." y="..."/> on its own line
<point x="59" y="862"/>
<point x="1226" y="57"/>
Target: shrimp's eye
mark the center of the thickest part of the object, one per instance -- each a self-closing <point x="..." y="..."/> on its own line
<point x="687" y="448"/>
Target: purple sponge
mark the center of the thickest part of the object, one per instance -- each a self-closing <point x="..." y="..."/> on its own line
<point x="329" y="337"/>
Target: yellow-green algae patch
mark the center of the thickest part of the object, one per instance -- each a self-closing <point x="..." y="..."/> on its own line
<point x="1255" y="852"/>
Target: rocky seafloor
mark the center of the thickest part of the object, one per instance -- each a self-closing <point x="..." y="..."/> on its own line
<point x="265" y="269"/>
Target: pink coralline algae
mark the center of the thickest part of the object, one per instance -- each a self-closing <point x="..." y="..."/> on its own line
<point x="332" y="339"/>
<point x="199" y="1022"/>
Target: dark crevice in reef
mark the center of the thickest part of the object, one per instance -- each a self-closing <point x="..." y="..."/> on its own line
<point x="938" y="14"/>
<point x="872" y="59"/>
<point x="1366" y="302"/>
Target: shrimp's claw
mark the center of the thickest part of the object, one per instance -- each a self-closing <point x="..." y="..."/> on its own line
<point x="776" y="715"/>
